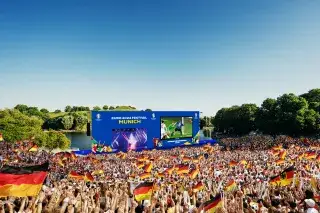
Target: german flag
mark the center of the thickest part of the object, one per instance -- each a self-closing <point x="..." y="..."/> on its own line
<point x="143" y="191"/>
<point x="73" y="156"/>
<point x="88" y="177"/>
<point x="148" y="167"/>
<point x="318" y="158"/>
<point x="140" y="165"/>
<point x="301" y="156"/>
<point x="231" y="185"/>
<point x="141" y="158"/>
<point x="144" y="175"/>
<point x="160" y="175"/>
<point x="195" y="160"/>
<point x="283" y="154"/>
<point x="169" y="170"/>
<point x="1" y="137"/>
<point x="233" y="163"/>
<point x="75" y="175"/>
<point x="284" y="179"/>
<point x="194" y="173"/>
<point x="212" y="205"/>
<point x="186" y="159"/>
<point x="280" y="161"/>
<point x="310" y="155"/>
<point x="279" y="147"/>
<point x="34" y="148"/>
<point x="183" y="170"/>
<point x="121" y="155"/>
<point x="198" y="187"/>
<point x="274" y="152"/>
<point x="22" y="181"/>
<point x="60" y="162"/>
<point x="243" y="162"/>
<point x="98" y="172"/>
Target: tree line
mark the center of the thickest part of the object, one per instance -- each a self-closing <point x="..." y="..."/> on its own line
<point x="289" y="114"/>
<point x="25" y="122"/>
<point x="31" y="110"/>
<point x="74" y="118"/>
<point x="17" y="126"/>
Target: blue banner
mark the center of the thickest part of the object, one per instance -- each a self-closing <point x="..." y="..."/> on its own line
<point x="138" y="130"/>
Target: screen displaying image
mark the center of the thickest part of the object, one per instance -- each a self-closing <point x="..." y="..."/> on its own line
<point x="129" y="139"/>
<point x="176" y="127"/>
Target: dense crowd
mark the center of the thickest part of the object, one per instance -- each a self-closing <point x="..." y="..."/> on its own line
<point x="248" y="164"/>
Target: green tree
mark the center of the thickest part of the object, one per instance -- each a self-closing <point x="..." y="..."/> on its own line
<point x="105" y="107"/>
<point x="111" y="108"/>
<point x="68" y="108"/>
<point x="148" y="110"/>
<point x="22" y="108"/>
<point x="16" y="126"/>
<point x="220" y="121"/>
<point x="41" y="139"/>
<point x="312" y="96"/>
<point x="75" y="109"/>
<point x="246" y="118"/>
<point x="43" y="110"/>
<point x="311" y="122"/>
<point x="202" y="123"/>
<point x="67" y="122"/>
<point x="80" y="121"/>
<point x="57" y="111"/>
<point x="52" y="140"/>
<point x="315" y="106"/>
<point x="96" y="108"/>
<point x="290" y="113"/>
<point x="236" y="120"/>
<point x="266" y="119"/>
<point x="62" y="141"/>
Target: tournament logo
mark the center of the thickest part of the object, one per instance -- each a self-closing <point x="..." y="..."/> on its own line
<point x="98" y="117"/>
<point x="196" y="116"/>
<point x="153" y="116"/>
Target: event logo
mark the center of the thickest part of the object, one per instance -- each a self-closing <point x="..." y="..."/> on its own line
<point x="153" y="116"/>
<point x="98" y="117"/>
<point x="196" y="116"/>
<point x="129" y="121"/>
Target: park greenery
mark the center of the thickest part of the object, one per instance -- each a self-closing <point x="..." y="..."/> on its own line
<point x="290" y="114"/>
<point x="47" y="128"/>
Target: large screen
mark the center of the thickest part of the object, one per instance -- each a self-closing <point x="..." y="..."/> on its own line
<point x="176" y="127"/>
<point x="129" y="139"/>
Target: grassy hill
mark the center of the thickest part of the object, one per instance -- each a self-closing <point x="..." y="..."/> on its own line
<point x="60" y="114"/>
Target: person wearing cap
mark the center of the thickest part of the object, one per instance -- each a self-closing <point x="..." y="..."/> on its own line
<point x="310" y="206"/>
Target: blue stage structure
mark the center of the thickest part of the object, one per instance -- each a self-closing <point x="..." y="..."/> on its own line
<point x="144" y="130"/>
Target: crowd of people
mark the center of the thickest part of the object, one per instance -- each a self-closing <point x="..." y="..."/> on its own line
<point x="240" y="170"/>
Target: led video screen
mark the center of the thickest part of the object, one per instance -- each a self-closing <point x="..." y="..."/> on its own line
<point x="176" y="127"/>
<point x="129" y="139"/>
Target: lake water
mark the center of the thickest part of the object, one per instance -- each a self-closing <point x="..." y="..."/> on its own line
<point x="80" y="140"/>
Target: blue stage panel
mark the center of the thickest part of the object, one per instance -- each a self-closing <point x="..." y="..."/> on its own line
<point x="138" y="130"/>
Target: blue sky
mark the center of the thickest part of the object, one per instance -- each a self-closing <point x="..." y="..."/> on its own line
<point x="163" y="55"/>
